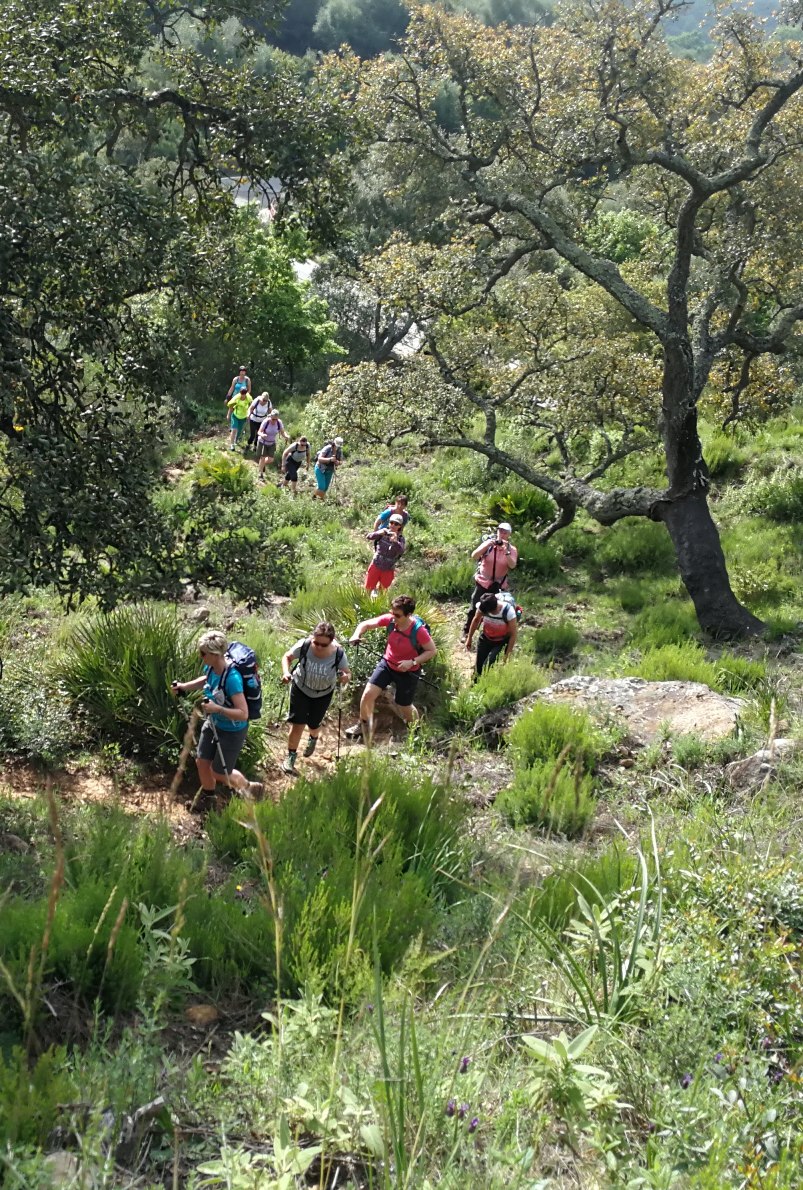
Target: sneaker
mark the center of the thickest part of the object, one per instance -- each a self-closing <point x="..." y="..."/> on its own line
<point x="255" y="789"/>
<point x="353" y="733"/>
<point x="311" y="744"/>
<point x="289" y="765"/>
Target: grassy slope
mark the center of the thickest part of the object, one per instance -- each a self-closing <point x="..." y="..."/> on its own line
<point x="694" y="1082"/>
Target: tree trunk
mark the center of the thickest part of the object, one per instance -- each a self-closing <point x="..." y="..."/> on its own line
<point x="702" y="567"/>
<point x="685" y="510"/>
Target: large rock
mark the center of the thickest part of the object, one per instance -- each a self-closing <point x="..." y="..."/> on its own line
<point x="644" y="709"/>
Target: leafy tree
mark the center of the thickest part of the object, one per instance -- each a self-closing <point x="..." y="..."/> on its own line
<point x="556" y="123"/>
<point x="368" y="26"/>
<point x="115" y="207"/>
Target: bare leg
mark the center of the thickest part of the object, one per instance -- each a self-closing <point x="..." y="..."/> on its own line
<point x="408" y="714"/>
<point x="294" y="738"/>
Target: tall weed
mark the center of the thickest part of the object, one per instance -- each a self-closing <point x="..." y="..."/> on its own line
<point x="551" y="795"/>
<point x="551" y="729"/>
<point x="497" y="686"/>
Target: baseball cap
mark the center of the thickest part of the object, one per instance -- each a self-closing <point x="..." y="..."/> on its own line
<point x="505" y="527"/>
<point x="338" y="441"/>
<point x="274" y="413"/>
<point x="396" y="519"/>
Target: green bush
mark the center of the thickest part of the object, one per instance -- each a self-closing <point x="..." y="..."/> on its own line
<point x="724" y="457"/>
<point x="632" y="595"/>
<point x="536" y="560"/>
<point x="312" y="841"/>
<point x="37" y="722"/>
<point x="497" y="686"/>
<point x="761" y="583"/>
<point x="30" y="1094"/>
<point x="740" y="675"/>
<point x="449" y="580"/>
<point x="555" y="639"/>
<point x="781" y="498"/>
<point x="676" y="663"/>
<point x="689" y="751"/>
<point x="118" y="669"/>
<point x="596" y="878"/>
<point x="636" y="545"/>
<point x="222" y="476"/>
<point x="550" y="729"/>
<point x="555" y="797"/>
<point x="520" y="504"/>
<point x="669" y="622"/>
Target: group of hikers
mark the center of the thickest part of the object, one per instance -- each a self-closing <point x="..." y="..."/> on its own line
<point x="265" y="427"/>
<point x="315" y="666"/>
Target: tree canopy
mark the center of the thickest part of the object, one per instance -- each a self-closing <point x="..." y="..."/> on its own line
<point x="621" y="245"/>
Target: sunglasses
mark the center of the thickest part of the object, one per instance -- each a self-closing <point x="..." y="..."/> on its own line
<point x="322" y="644"/>
<point x="398" y="615"/>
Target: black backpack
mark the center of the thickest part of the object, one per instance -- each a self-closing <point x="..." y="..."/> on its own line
<point x="244" y="660"/>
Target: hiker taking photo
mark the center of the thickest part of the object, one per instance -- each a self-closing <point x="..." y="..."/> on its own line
<point x="409" y="646"/>
<point x="496" y="557"/>
<point x="389" y="546"/>
<point x="295" y="455"/>
<point x="226" y="718"/>
<point x="500" y="628"/>
<point x="321" y="664"/>
<point x="327" y="460"/>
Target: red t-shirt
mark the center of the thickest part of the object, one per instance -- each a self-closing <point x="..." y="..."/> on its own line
<point x="400" y="647"/>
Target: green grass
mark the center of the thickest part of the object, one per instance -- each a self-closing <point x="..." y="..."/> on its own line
<point x="554" y="640"/>
<point x="497" y="686"/>
<point x="551" y="796"/>
<point x="549" y="730"/>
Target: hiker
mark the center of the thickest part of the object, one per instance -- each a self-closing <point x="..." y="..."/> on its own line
<point x="240" y="383"/>
<point x="226" y="724"/>
<point x="389" y="546"/>
<point x="295" y="454"/>
<point x="327" y="460"/>
<point x="500" y="628"/>
<point x="258" y="410"/>
<point x="496" y="557"/>
<point x="271" y="428"/>
<point x="408" y="647"/>
<point x="322" y="663"/>
<point x="399" y="506"/>
<point x="238" y="408"/>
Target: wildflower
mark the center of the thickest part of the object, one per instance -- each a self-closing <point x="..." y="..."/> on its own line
<point x="464" y="1064"/>
<point x="474" y="1124"/>
<point x="462" y="1111"/>
<point x="451" y="1108"/>
<point x="718" y="1057"/>
<point x="685" y="1081"/>
<point x="766" y="1043"/>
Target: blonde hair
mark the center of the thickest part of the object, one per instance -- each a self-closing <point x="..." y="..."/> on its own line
<point x="213" y="642"/>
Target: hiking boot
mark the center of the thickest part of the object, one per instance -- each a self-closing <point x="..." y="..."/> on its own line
<point x="353" y="733"/>
<point x="289" y="765"/>
<point x="311" y="744"/>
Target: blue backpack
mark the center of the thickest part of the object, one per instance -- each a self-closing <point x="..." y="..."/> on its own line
<point x="412" y="636"/>
<point x="244" y="660"/>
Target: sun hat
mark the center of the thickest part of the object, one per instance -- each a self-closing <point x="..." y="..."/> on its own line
<point x="338" y="441"/>
<point x="505" y="527"/>
<point x="396" y="519"/>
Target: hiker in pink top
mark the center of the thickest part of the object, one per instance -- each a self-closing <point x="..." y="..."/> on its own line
<point x="496" y="558"/>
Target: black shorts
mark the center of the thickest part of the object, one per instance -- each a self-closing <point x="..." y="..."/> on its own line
<point x="231" y="745"/>
<point x="307" y="710"/>
<point x="266" y="450"/>
<point x="291" y="470"/>
<point x="405" y="683"/>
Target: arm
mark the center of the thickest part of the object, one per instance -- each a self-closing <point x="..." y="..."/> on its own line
<point x="187" y="687"/>
<point x="248" y="386"/>
<point x="287" y="658"/>
<point x="427" y="655"/>
<point x="307" y="462"/>
<point x="512" y="637"/>
<point x="253" y="406"/>
<point x="365" y="626"/>
<point x="231" y="388"/>
<point x="285" y="454"/>
<point x="472" y="628"/>
<point x="237" y="712"/>
<point x="512" y="557"/>
<point x="481" y="550"/>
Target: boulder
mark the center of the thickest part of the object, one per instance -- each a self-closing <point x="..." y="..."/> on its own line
<point x="200" y="615"/>
<point x="754" y="771"/>
<point x="645" y="709"/>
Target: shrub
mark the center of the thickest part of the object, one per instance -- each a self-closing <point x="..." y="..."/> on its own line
<point x="724" y="457"/>
<point x="312" y="839"/>
<point x="781" y="498"/>
<point x="550" y="795"/>
<point x="689" y="751"/>
<point x="222" y="476"/>
<point x="520" y="504"/>
<point x="30" y="1095"/>
<point x="737" y="675"/>
<point x="118" y="669"/>
<point x="633" y="545"/>
<point x="450" y="580"/>
<point x="676" y="663"/>
<point x="632" y="595"/>
<point x="549" y="729"/>
<point x="537" y="560"/>
<point x="497" y="686"/>
<point x="596" y="878"/>
<point x="761" y="582"/>
<point x="666" y="623"/>
<point x="554" y="639"/>
<point x="36" y="720"/>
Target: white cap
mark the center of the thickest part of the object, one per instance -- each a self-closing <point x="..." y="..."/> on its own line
<point x="396" y="519"/>
<point x="505" y="527"/>
<point x="274" y="412"/>
<point x="338" y="441"/>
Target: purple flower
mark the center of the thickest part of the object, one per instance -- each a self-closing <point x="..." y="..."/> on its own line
<point x="451" y="1108"/>
<point x="766" y="1043"/>
<point x="474" y="1124"/>
<point x="718" y="1057"/>
<point x="776" y="1076"/>
<point x="464" y="1064"/>
<point x="686" y="1081"/>
<point x="652" y="1127"/>
<point x="462" y="1111"/>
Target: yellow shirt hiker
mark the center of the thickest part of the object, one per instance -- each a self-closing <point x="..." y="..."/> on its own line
<point x="239" y="405"/>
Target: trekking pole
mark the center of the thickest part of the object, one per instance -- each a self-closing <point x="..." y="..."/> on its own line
<point x="339" y="722"/>
<point x="186" y="748"/>
<point x="220" y="753"/>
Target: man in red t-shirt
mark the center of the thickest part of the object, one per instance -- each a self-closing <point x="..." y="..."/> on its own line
<point x="409" y="646"/>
